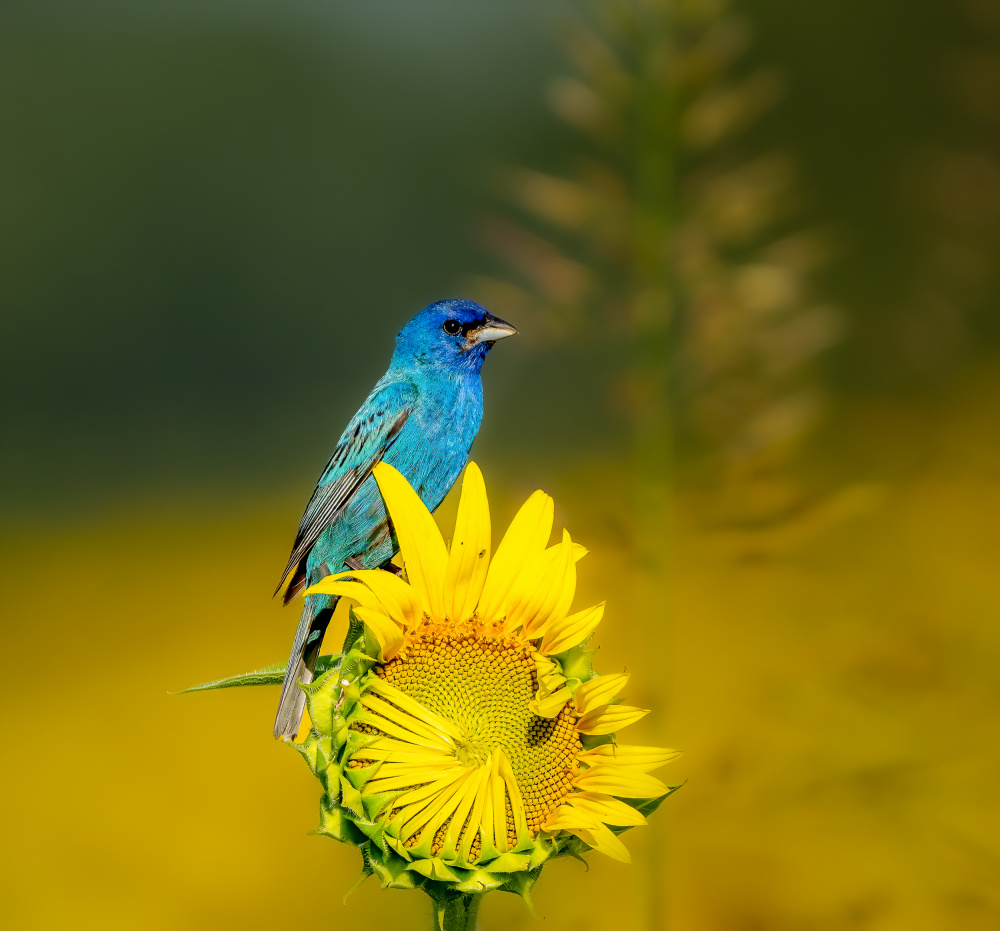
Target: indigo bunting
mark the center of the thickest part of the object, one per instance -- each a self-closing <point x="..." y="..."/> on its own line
<point x="421" y="418"/>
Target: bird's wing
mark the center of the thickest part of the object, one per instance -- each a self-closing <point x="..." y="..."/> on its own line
<point x="365" y="441"/>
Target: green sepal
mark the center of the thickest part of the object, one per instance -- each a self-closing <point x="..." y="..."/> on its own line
<point x="357" y="740"/>
<point x="374" y="831"/>
<point x="378" y="838"/>
<point x="645" y="806"/>
<point x="354" y="664"/>
<point x="573" y="684"/>
<point x="474" y="882"/>
<point x="577" y="663"/>
<point x="434" y="868"/>
<point x="400" y="848"/>
<point x="542" y="849"/>
<point x="487" y="851"/>
<point x="315" y="751"/>
<point x="372" y="646"/>
<point x="350" y="797"/>
<point x="321" y="699"/>
<point x="333" y="822"/>
<point x="270" y="675"/>
<point x="589" y="741"/>
<point x="377" y="803"/>
<point x="325" y="750"/>
<point x="390" y="869"/>
<point x="352" y="693"/>
<point x="331" y="780"/>
<point x="342" y="735"/>
<point x="509" y="862"/>
<point x="521" y="884"/>
<point x="569" y="845"/>
<point x="525" y="842"/>
<point x="366" y="871"/>
<point x="359" y="777"/>
<point x="355" y="629"/>
<point x="422" y="849"/>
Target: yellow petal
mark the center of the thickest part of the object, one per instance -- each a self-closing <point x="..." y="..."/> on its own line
<point x="478" y="807"/>
<point x="356" y="591"/>
<point x="421" y="796"/>
<point x="598" y="691"/>
<point x="414" y="709"/>
<point x="549" y="675"/>
<point x="444" y="778"/>
<point x="456" y="797"/>
<point x="433" y="758"/>
<point x="567" y="817"/>
<point x="386" y="630"/>
<point x="490" y="830"/>
<point x="602" y="838"/>
<point x="498" y="795"/>
<point x="607" y="809"/>
<point x="621" y="782"/>
<point x="514" y="794"/>
<point x="401" y="733"/>
<point x="544" y="591"/>
<point x="392" y="770"/>
<point x="471" y="792"/>
<point x="525" y="539"/>
<point x="641" y="759"/>
<point x="421" y="729"/>
<point x="433" y="815"/>
<point x="549" y="704"/>
<point x="398" y="599"/>
<point x="606" y="719"/>
<point x="417" y="807"/>
<point x="589" y="828"/>
<point x="569" y="631"/>
<point x="469" y="559"/>
<point x="424" y="553"/>
<point x="579" y="550"/>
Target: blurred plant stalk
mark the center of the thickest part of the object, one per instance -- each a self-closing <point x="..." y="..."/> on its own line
<point x="953" y="185"/>
<point x="671" y="242"/>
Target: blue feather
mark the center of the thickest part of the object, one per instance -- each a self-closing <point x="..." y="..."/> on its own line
<point x="421" y="418"/>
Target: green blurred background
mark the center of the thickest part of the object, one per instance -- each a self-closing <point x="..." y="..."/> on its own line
<point x="752" y="251"/>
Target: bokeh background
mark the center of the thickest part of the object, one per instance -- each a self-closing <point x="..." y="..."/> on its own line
<point x="752" y="251"/>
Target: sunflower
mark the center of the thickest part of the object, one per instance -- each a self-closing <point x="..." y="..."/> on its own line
<point x="462" y="737"/>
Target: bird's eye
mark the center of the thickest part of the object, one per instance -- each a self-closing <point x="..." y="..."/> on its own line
<point x="452" y="327"/>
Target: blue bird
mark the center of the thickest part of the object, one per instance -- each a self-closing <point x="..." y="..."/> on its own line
<point x="421" y="418"/>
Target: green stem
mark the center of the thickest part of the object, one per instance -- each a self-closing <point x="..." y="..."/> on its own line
<point x="455" y="912"/>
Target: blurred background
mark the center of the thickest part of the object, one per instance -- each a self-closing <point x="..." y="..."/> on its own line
<point x="752" y="251"/>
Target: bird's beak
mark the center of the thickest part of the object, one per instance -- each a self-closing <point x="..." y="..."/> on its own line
<point x="489" y="331"/>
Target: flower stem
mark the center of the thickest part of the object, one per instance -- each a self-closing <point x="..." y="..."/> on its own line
<point x="456" y="912"/>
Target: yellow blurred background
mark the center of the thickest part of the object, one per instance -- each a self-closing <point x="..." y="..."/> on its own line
<point x="777" y="435"/>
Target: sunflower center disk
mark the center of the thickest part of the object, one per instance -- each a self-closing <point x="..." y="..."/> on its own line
<point x="483" y="686"/>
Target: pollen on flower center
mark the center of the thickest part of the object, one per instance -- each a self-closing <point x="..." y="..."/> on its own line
<point x="483" y="686"/>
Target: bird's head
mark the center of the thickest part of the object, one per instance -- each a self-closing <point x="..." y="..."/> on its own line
<point x="451" y="335"/>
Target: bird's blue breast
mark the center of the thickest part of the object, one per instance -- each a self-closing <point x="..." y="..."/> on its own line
<point x="430" y="451"/>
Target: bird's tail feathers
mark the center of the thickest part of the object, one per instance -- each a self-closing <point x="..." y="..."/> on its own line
<point x="292" y="583"/>
<point x="297" y="584"/>
<point x="315" y="618"/>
